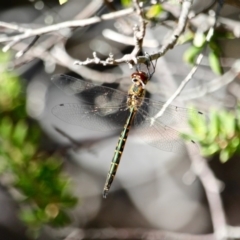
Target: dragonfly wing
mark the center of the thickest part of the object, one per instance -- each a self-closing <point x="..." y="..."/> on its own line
<point x="91" y="116"/>
<point x="71" y="86"/>
<point x="158" y="134"/>
<point x="173" y="116"/>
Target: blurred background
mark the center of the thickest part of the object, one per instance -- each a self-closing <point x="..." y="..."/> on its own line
<point x="53" y="173"/>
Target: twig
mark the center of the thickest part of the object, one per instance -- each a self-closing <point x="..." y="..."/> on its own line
<point x="117" y="37"/>
<point x="20" y="53"/>
<point x="211" y="187"/>
<point x="214" y="84"/>
<point x="189" y="76"/>
<point x="186" y="4"/>
<point x="139" y="33"/>
<point x="180" y="88"/>
<point x="68" y="24"/>
<point x="13" y="27"/>
<point x="143" y="234"/>
<point x="62" y="58"/>
<point x="233" y="232"/>
<point x="42" y="48"/>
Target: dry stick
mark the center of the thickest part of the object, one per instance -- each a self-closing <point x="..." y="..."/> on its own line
<point x="211" y="187"/>
<point x="180" y="88"/>
<point x="139" y="33"/>
<point x="189" y="76"/>
<point x="68" y="24"/>
<point x="186" y="5"/>
<point x="214" y="84"/>
<point x="206" y="176"/>
<point x="138" y="233"/>
<point x="21" y="52"/>
<point x="62" y="58"/>
<point x="13" y="27"/>
<point x="89" y="10"/>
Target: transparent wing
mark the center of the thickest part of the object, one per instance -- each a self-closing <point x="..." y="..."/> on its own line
<point x="92" y="117"/>
<point x="107" y="110"/>
<point x="158" y="134"/>
<point x="104" y="108"/>
<point x="173" y="116"/>
<point x="71" y="86"/>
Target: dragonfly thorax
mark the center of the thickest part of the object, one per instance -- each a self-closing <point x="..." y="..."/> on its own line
<point x="135" y="95"/>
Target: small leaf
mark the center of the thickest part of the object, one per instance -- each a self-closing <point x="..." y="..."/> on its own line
<point x="61" y="2"/>
<point x="214" y="124"/>
<point x="154" y="11"/>
<point x="214" y="63"/>
<point x="6" y="127"/>
<point x="126" y="3"/>
<point x="225" y="155"/>
<point x="20" y="132"/>
<point x="215" y="47"/>
<point x="199" y="39"/>
<point x="61" y="220"/>
<point x="186" y="37"/>
<point x="191" y="53"/>
<point x="210" y="149"/>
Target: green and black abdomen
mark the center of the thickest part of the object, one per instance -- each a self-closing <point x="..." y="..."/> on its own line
<point x="118" y="152"/>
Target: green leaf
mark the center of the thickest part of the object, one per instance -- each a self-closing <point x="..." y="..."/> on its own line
<point x="199" y="39"/>
<point x="215" y="47"/>
<point x="186" y="37"/>
<point x="61" y="220"/>
<point x="229" y="123"/>
<point x="6" y="127"/>
<point x="214" y="62"/>
<point x="154" y="11"/>
<point x="225" y="154"/>
<point x="191" y="54"/>
<point x="61" y="2"/>
<point x="20" y="132"/>
<point x="28" y="216"/>
<point x="198" y="124"/>
<point x="126" y="3"/>
<point x="210" y="149"/>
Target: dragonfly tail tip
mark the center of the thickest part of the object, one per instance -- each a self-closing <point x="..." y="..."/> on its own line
<point x="105" y="192"/>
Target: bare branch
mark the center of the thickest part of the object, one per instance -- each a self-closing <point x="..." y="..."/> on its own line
<point x="20" y="53"/>
<point x="68" y="24"/>
<point x="110" y="233"/>
<point x="13" y="27"/>
<point x="211" y="187"/>
<point x="214" y="84"/>
<point x="190" y="75"/>
<point x="139" y="33"/>
<point x="117" y="37"/>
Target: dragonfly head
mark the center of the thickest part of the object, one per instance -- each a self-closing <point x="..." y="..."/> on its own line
<point x="140" y="77"/>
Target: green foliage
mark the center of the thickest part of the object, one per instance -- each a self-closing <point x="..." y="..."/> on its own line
<point x="186" y="37"/>
<point x="198" y="44"/>
<point x="220" y="134"/>
<point x="214" y="58"/>
<point x="126" y="3"/>
<point x="154" y="11"/>
<point x="61" y="2"/>
<point x="34" y="174"/>
<point x="191" y="54"/>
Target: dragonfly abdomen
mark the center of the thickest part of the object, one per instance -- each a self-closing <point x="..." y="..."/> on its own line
<point x="118" y="152"/>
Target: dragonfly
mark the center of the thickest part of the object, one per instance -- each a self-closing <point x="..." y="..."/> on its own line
<point x="106" y="109"/>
